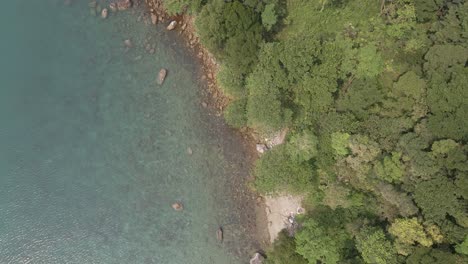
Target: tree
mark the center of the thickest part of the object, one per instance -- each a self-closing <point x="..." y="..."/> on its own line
<point x="390" y="169"/>
<point x="284" y="251"/>
<point x="370" y="63"/>
<point x="231" y="31"/>
<point x="235" y="113"/>
<point x="266" y="84"/>
<point x="438" y="198"/>
<point x="463" y="247"/>
<point x="399" y="199"/>
<point x="340" y="143"/>
<point x="277" y="171"/>
<point x="302" y="146"/>
<point x="324" y="238"/>
<point x="269" y="16"/>
<point x="375" y="248"/>
<point x="409" y="231"/>
<point x="423" y="255"/>
<point x="361" y="95"/>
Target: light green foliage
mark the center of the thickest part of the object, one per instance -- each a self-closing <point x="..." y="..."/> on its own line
<point x="315" y="244"/>
<point x="235" y="113"/>
<point x="443" y="147"/>
<point x="390" y="169"/>
<point x="410" y="231"/>
<point x="375" y="248"/>
<point x="302" y="146"/>
<point x="304" y="16"/>
<point x="340" y="142"/>
<point x="269" y="16"/>
<point x="231" y="81"/>
<point x="324" y="237"/>
<point x="178" y="6"/>
<point x="463" y="247"/>
<point x="276" y="171"/>
<point x="370" y="63"/>
<point x="284" y="251"/>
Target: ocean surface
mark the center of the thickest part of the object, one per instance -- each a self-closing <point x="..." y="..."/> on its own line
<point x="93" y="152"/>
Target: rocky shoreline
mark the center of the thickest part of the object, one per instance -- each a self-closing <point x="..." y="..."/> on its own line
<point x="215" y="100"/>
<point x="254" y="220"/>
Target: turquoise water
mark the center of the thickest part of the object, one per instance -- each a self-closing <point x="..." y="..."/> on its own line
<point x="94" y="152"/>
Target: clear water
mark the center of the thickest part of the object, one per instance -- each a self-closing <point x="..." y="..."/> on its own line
<point x="93" y="152"/>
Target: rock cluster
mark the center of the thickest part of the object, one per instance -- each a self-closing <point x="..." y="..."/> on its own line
<point x="120" y="5"/>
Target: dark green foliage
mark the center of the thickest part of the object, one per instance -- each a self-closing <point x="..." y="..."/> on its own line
<point x="439" y="198"/>
<point x="231" y="31"/>
<point x="424" y="255"/>
<point x="360" y="97"/>
<point x="266" y="84"/>
<point x="284" y="251"/>
<point x="374" y="94"/>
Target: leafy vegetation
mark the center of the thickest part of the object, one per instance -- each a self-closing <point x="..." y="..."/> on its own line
<point x="374" y="94"/>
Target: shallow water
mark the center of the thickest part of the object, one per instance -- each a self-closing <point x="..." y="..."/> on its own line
<point x="93" y="151"/>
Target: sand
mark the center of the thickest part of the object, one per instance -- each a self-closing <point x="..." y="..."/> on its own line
<point x="278" y="209"/>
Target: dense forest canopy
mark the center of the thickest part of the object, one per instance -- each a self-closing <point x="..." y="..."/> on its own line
<point x="375" y="94"/>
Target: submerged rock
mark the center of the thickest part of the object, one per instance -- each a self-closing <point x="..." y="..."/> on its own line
<point x="154" y="19"/>
<point x="219" y="234"/>
<point x="124" y="4"/>
<point x="172" y="25"/>
<point x="162" y="76"/>
<point x="128" y="43"/>
<point x="177" y="206"/>
<point x="113" y="7"/>
<point x="104" y="13"/>
<point x="257" y="259"/>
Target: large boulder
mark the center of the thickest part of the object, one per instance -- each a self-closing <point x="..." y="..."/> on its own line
<point x="220" y="234"/>
<point x="177" y="206"/>
<point x="261" y="148"/>
<point x="172" y="25"/>
<point x="257" y="259"/>
<point x="162" y="76"/>
<point x="104" y="13"/>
